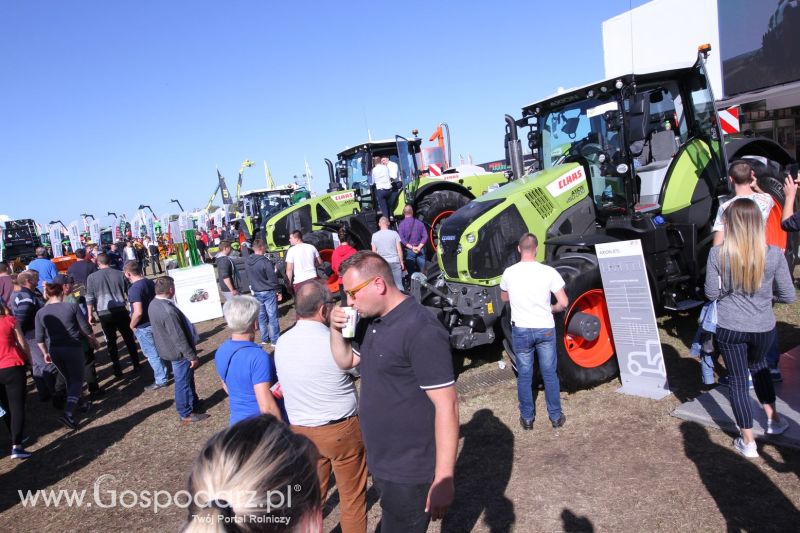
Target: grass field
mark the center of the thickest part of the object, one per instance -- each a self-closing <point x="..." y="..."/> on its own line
<point x="621" y="463"/>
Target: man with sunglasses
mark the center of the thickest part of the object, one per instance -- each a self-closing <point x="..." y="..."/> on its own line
<point x="408" y="408"/>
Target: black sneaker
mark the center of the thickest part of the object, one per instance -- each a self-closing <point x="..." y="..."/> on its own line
<point x="18" y="452"/>
<point x="526" y="424"/>
<point x="155" y="386"/>
<point x="68" y="421"/>
<point x="560" y="422"/>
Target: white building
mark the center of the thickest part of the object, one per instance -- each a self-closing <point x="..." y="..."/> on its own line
<point x="754" y="63"/>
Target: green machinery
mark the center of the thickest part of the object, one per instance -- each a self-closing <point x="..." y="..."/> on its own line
<point x="259" y="205"/>
<point x="349" y="198"/>
<point x="636" y="157"/>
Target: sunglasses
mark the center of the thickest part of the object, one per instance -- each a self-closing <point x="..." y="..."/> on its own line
<point x="352" y="292"/>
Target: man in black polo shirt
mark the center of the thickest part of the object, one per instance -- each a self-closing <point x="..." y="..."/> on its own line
<point x="408" y="407"/>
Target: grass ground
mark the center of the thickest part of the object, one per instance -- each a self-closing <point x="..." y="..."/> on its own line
<point x="621" y="463"/>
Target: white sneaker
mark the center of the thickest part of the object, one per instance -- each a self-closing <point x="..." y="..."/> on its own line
<point x="776" y="428"/>
<point x="748" y="450"/>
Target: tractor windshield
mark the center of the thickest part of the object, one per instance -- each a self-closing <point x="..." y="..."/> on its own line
<point x="358" y="169"/>
<point x="589" y="132"/>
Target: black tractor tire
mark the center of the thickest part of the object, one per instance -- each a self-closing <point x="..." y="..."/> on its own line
<point x="430" y="206"/>
<point x="580" y="277"/>
<point x="321" y="240"/>
<point x="774" y="188"/>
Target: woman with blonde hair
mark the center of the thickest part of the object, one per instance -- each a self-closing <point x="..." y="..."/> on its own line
<point x="745" y="276"/>
<point x="255" y="476"/>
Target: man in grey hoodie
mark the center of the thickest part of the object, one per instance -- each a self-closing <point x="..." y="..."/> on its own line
<point x="106" y="294"/>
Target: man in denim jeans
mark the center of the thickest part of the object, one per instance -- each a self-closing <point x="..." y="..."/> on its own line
<point x="527" y="286"/>
<point x="140" y="294"/>
<point x="266" y="289"/>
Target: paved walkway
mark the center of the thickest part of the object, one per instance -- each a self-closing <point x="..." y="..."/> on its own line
<point x="714" y="409"/>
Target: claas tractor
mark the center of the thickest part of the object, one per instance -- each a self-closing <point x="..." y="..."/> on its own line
<point x="257" y="206"/>
<point x="350" y="198"/>
<point x="635" y="157"/>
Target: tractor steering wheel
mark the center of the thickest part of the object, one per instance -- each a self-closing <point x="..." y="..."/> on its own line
<point x="591" y="151"/>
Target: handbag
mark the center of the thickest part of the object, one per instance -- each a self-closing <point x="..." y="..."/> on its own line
<point x="708" y="315"/>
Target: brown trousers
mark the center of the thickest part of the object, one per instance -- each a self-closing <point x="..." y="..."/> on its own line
<point x="342" y="448"/>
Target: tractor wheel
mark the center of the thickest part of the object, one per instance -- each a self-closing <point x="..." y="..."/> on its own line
<point x="775" y="235"/>
<point x="433" y="208"/>
<point x="582" y="364"/>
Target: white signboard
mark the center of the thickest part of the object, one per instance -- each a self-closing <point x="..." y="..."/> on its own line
<point x="633" y="319"/>
<point x="196" y="292"/>
<point x="55" y="240"/>
<point x="183" y="222"/>
<point x="94" y="231"/>
<point x="151" y="228"/>
<point x="74" y="233"/>
<point x="175" y="232"/>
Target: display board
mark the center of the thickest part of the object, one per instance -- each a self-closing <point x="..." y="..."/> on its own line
<point x="633" y="319"/>
<point x="759" y="42"/>
<point x="196" y="292"/>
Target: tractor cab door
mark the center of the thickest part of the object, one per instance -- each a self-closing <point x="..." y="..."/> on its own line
<point x="407" y="163"/>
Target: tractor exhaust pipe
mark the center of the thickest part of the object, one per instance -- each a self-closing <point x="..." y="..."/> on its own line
<point x="513" y="148"/>
<point x="333" y="185"/>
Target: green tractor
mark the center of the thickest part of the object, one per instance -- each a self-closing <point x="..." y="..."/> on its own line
<point x="350" y="200"/>
<point x="644" y="159"/>
<point x="257" y="206"/>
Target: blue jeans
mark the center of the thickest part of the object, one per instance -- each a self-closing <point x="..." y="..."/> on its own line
<point x="145" y="337"/>
<point x="268" y="315"/>
<point x="773" y="354"/>
<point x="543" y="341"/>
<point x="414" y="262"/>
<point x="185" y="394"/>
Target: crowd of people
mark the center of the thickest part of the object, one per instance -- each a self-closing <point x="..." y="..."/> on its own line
<point x="296" y="415"/>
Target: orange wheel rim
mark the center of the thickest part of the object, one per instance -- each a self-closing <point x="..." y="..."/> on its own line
<point x="590" y="354"/>
<point x="441" y="216"/>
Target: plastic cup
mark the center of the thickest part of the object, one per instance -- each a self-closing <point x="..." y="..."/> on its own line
<point x="349" y="330"/>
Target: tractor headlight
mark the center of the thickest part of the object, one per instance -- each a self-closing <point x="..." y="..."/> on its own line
<point x="470" y="238"/>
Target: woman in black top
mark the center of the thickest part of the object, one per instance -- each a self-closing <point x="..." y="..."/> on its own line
<point x="62" y="326"/>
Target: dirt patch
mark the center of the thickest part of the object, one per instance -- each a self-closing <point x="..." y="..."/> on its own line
<point x="620" y="463"/>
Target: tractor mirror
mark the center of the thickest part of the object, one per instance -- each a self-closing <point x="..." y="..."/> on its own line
<point x="613" y="120"/>
<point x="656" y="96"/>
<point x="571" y="126"/>
<point x="638" y="117"/>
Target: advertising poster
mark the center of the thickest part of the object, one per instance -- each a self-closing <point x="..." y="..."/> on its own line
<point x="183" y="221"/>
<point x="55" y="241"/>
<point x="74" y="233"/>
<point x="94" y="231"/>
<point x="633" y="319"/>
<point x="196" y="292"/>
<point x="151" y="228"/>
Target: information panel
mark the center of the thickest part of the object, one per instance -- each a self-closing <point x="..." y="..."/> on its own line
<point x="633" y="319"/>
<point x="196" y="292"/>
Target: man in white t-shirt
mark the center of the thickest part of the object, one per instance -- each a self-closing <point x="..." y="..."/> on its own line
<point x="302" y="260"/>
<point x="745" y="185"/>
<point x="527" y="286"/>
<point x="383" y="185"/>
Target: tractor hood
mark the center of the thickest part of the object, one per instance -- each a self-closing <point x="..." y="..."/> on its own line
<point x="480" y="240"/>
<point x="303" y="215"/>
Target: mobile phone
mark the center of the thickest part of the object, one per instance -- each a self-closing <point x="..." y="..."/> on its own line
<point x="791" y="170"/>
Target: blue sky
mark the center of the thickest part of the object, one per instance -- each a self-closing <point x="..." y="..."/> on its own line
<point x="106" y="105"/>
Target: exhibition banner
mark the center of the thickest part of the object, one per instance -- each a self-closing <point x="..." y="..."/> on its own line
<point x="55" y="240"/>
<point x="151" y="228"/>
<point x="196" y="292"/>
<point x="633" y="319"/>
<point x="94" y="231"/>
<point x="74" y="233"/>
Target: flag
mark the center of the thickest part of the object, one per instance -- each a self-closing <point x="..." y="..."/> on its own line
<point x="309" y="176"/>
<point x="226" y="195"/>
<point x="270" y="181"/>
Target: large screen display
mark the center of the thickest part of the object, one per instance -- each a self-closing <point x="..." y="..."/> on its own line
<point x="759" y="43"/>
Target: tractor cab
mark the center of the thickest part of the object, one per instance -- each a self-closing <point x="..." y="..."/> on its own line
<point x="353" y="169"/>
<point x="628" y="134"/>
<point x="259" y="205"/>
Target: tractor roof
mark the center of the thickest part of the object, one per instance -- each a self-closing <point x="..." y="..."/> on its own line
<point x="578" y="93"/>
<point x="383" y="144"/>
<point x="284" y="189"/>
